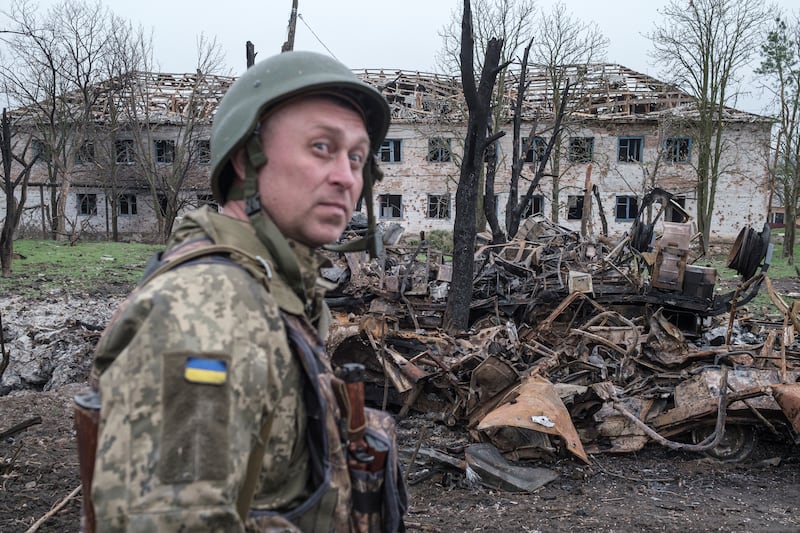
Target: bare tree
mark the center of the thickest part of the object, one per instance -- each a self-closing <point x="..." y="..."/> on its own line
<point x="51" y="73"/>
<point x="12" y="185"/>
<point x="781" y="66"/>
<point x="166" y="152"/>
<point x="563" y="45"/>
<point x="478" y="97"/>
<point x="704" y="46"/>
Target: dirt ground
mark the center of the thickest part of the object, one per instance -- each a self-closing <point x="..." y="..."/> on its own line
<point x="653" y="490"/>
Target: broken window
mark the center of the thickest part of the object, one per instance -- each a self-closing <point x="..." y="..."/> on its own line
<point x="85" y="154"/>
<point x="776" y="218"/>
<point x="40" y="150"/>
<point x="630" y="149"/>
<point x="391" y="205"/>
<point x="124" y="152"/>
<point x="439" y="149"/>
<point x="127" y="204"/>
<point x="439" y="206"/>
<point x="673" y="214"/>
<point x="390" y="151"/>
<point x="677" y="149"/>
<point x="627" y="208"/>
<point x="165" y="150"/>
<point x="202" y="151"/>
<point x="581" y="150"/>
<point x="535" y="152"/>
<point x="535" y="207"/>
<point x="574" y="207"/>
<point x="87" y="204"/>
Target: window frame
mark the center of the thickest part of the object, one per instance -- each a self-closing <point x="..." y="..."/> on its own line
<point x="531" y="208"/>
<point x="86" y="204"/>
<point x="633" y="148"/>
<point x="84" y="155"/>
<point x="624" y="201"/>
<point x="673" y="152"/>
<point x="576" y="199"/>
<point x="535" y="153"/>
<point x="202" y="151"/>
<point x="164" y="151"/>
<point x="438" y="202"/>
<point x="128" y="200"/>
<point x="385" y="201"/>
<point x="572" y="154"/>
<point x="391" y="151"/>
<point x="440" y="150"/>
<point x="129" y="151"/>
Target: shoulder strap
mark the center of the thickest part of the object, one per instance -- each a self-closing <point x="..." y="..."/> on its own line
<point x="200" y="249"/>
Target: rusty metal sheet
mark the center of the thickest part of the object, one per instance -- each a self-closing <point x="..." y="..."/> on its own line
<point x="537" y="407"/>
<point x="788" y="397"/>
<point x="705" y="385"/>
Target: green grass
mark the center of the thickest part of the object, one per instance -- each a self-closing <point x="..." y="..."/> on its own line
<point x="45" y="266"/>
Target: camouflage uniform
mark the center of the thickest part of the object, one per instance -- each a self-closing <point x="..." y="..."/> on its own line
<point x="173" y="446"/>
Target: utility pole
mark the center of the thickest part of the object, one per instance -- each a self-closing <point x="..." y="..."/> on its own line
<point x="289" y="44"/>
<point x="250" y="50"/>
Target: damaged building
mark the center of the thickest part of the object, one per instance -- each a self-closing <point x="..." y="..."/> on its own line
<point x="631" y="132"/>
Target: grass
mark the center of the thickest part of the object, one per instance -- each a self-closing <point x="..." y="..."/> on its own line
<point x="44" y="266"/>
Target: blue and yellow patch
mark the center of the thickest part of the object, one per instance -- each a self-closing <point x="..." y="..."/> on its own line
<point x="205" y="371"/>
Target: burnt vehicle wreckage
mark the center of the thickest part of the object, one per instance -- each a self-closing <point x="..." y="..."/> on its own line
<point x="577" y="344"/>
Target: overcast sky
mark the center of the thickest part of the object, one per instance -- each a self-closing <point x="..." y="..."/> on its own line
<point x="396" y="34"/>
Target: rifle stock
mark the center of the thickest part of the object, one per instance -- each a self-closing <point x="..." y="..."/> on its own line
<point x="363" y="451"/>
<point x="87" y="417"/>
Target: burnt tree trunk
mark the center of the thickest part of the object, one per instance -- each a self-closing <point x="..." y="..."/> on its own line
<point x="478" y="98"/>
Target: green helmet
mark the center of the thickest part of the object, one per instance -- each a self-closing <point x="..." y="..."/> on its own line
<point x="275" y="80"/>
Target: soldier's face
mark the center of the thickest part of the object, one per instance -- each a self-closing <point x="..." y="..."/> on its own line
<point x="316" y="151"/>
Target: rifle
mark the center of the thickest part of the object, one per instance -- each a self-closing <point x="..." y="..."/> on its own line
<point x="87" y="417"/>
<point x="364" y="452"/>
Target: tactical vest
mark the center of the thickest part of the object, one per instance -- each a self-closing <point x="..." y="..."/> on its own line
<point x="341" y="499"/>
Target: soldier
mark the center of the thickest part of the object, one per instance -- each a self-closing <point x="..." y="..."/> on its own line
<point x="217" y="414"/>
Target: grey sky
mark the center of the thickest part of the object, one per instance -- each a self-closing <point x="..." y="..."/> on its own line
<point x="367" y="33"/>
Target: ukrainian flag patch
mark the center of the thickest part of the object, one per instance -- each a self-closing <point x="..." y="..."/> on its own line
<point x="205" y="371"/>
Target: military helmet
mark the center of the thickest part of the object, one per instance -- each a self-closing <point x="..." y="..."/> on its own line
<point x="273" y="81"/>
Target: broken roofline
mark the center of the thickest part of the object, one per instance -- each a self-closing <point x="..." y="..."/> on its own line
<point x="608" y="91"/>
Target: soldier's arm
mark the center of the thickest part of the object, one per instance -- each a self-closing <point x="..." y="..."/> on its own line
<point x="185" y="400"/>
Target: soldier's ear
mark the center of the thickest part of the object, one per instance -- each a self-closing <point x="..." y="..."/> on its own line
<point x="238" y="162"/>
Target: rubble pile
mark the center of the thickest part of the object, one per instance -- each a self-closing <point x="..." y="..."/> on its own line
<point x="576" y="345"/>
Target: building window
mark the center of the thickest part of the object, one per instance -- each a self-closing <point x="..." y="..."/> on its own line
<point x="439" y="206"/>
<point x="536" y="207"/>
<point x="535" y="151"/>
<point x="439" y="150"/>
<point x="391" y="205"/>
<point x="776" y="218"/>
<point x="627" y="208"/>
<point x="124" y="153"/>
<point x="85" y="154"/>
<point x="390" y="151"/>
<point x="202" y="151"/>
<point x="629" y="149"/>
<point x="677" y="149"/>
<point x="127" y="204"/>
<point x="87" y="204"/>
<point x="672" y="213"/>
<point x="165" y="150"/>
<point x="40" y="151"/>
<point x="574" y="207"/>
<point x="581" y="149"/>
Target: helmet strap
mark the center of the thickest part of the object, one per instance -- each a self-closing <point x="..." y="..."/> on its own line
<point x="266" y="230"/>
<point x="372" y="241"/>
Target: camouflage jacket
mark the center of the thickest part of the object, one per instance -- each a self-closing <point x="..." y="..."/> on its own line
<point x="193" y="367"/>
